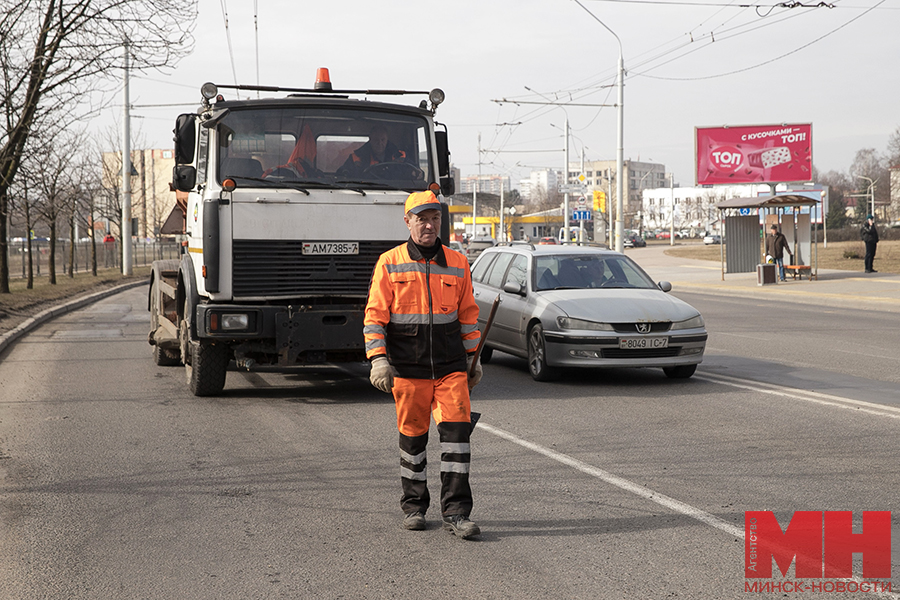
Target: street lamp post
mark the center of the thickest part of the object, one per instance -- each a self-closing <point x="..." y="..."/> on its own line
<point x="872" y="191"/>
<point x="620" y="130"/>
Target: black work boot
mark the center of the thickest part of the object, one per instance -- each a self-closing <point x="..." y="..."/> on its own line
<point x="414" y="521"/>
<point x="461" y="526"/>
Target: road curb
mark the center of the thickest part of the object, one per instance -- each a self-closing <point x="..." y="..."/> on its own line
<point x="55" y="311"/>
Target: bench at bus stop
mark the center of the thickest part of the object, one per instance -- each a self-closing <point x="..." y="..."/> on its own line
<point x="798" y="271"/>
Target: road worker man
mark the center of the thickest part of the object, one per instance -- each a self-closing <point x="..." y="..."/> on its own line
<point x="375" y="151"/>
<point x="421" y="333"/>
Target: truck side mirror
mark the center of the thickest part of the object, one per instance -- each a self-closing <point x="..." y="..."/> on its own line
<point x="448" y="186"/>
<point x="185" y="139"/>
<point x="184" y="177"/>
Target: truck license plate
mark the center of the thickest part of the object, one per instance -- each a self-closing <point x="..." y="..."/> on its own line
<point x="643" y="343"/>
<point x="330" y="248"/>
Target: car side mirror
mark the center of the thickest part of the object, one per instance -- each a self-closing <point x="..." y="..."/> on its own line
<point x="665" y="286"/>
<point x="514" y="287"/>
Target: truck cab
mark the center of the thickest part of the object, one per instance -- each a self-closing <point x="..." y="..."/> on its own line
<point x="290" y="201"/>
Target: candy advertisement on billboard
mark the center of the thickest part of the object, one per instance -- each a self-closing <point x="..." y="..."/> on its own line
<point x="753" y="154"/>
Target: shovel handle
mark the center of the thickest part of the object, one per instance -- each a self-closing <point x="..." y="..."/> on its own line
<point x="484" y="334"/>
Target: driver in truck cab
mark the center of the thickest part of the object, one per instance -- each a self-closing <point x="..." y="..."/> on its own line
<point x="377" y="150"/>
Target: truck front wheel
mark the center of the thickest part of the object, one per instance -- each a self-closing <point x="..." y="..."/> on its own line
<point x="206" y="372"/>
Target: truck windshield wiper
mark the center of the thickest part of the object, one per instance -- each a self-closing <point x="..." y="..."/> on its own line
<point x="294" y="185"/>
<point x="372" y="184"/>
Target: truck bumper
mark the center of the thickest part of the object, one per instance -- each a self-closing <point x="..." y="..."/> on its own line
<point x="298" y="335"/>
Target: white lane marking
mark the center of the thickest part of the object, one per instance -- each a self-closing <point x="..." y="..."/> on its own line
<point x="805" y="395"/>
<point x="641" y="491"/>
<point x="620" y="482"/>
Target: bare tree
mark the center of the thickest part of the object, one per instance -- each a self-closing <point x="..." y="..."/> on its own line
<point x="53" y="178"/>
<point x="51" y="49"/>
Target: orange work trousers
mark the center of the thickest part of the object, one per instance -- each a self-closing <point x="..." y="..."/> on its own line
<point x="447" y="399"/>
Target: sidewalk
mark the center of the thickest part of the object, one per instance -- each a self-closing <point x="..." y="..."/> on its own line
<point x="842" y="289"/>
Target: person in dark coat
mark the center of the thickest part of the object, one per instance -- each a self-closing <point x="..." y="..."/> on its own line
<point x="869" y="234"/>
<point x="776" y="244"/>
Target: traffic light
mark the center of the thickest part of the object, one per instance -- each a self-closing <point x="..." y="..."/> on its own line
<point x="599" y="201"/>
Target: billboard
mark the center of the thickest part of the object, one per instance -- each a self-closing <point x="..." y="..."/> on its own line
<point x="753" y="154"/>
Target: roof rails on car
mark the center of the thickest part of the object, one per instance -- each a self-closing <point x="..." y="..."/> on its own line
<point x="516" y="243"/>
<point x="591" y="244"/>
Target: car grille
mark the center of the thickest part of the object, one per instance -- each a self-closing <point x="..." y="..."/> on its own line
<point x="279" y="269"/>
<point x="633" y="327"/>
<point x="642" y="353"/>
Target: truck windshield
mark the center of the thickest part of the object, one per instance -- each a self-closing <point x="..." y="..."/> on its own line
<point x="324" y="147"/>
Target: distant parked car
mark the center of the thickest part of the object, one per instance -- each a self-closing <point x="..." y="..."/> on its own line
<point x="713" y="238"/>
<point x="547" y="240"/>
<point x="477" y="245"/>
<point x="633" y="240"/>
<point x="454" y="245"/>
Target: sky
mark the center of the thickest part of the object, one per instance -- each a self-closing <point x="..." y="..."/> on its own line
<point x="696" y="63"/>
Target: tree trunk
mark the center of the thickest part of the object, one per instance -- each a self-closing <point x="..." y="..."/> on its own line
<point x="72" y="246"/>
<point x="93" y="246"/>
<point x="30" y="284"/>
<point x="51" y="269"/>
<point x="4" y="245"/>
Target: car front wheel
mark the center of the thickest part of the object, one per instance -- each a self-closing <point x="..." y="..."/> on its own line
<point x="680" y="372"/>
<point x="537" y="356"/>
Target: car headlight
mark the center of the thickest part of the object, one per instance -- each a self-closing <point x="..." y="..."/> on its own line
<point x="693" y="323"/>
<point x="570" y="323"/>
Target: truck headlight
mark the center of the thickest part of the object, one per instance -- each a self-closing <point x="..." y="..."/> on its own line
<point x="232" y="322"/>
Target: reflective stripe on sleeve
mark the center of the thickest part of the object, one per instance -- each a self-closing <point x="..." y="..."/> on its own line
<point x="470" y="344"/>
<point x="466" y="328"/>
<point x="373" y="344"/>
<point x="373" y="329"/>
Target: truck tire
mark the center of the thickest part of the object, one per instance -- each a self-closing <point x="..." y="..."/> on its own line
<point x="162" y="358"/>
<point x="209" y="364"/>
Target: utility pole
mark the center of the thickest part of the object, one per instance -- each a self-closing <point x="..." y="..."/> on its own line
<point x="475" y="193"/>
<point x="566" y="179"/>
<point x="502" y="235"/>
<point x="125" y="234"/>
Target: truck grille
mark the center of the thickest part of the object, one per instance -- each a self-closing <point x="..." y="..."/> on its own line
<point x="279" y="269"/>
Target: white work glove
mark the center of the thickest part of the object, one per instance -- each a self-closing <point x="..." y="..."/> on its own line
<point x="382" y="374"/>
<point x="473" y="379"/>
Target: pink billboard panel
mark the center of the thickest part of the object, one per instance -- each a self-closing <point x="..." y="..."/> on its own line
<point x="754" y="154"/>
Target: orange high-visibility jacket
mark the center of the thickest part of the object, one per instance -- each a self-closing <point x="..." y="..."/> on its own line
<point x="421" y="313"/>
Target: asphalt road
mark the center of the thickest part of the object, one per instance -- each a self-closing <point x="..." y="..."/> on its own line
<point x="115" y="482"/>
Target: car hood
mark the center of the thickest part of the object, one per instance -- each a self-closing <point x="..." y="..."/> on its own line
<point x="620" y="305"/>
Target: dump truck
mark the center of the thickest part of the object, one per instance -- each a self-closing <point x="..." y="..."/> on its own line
<point x="287" y="202"/>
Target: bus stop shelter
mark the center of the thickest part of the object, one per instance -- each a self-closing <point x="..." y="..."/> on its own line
<point x="743" y="244"/>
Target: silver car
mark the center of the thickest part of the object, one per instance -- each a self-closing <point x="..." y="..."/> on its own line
<point x="578" y="306"/>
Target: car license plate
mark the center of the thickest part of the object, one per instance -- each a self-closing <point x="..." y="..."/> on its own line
<point x="330" y="248"/>
<point x="643" y="343"/>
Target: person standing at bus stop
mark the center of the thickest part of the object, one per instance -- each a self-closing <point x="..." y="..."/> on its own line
<point x="869" y="234"/>
<point x="776" y="244"/>
<point x="421" y="332"/>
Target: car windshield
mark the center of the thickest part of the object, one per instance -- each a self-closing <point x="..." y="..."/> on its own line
<point x="557" y="272"/>
<point x="324" y="147"/>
